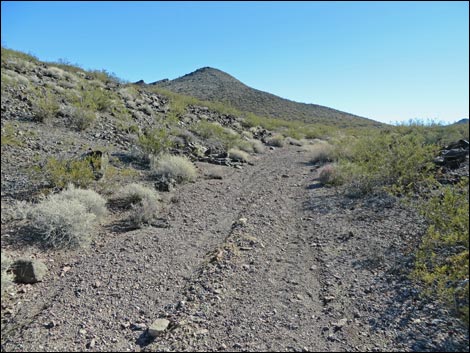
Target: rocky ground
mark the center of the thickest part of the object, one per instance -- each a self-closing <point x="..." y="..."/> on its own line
<point x="261" y="258"/>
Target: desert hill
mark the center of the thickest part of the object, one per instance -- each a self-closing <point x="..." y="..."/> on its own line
<point x="215" y="85"/>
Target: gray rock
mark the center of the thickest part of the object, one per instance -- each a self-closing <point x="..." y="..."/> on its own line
<point x="29" y="271"/>
<point x="158" y="327"/>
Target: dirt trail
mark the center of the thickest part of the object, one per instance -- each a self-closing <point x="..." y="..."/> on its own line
<point x="303" y="270"/>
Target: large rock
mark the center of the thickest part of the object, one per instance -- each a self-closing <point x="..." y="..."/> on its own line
<point x="453" y="155"/>
<point x="158" y="327"/>
<point x="29" y="271"/>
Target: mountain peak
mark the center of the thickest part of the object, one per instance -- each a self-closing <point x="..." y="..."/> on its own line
<point x="211" y="84"/>
<point x="209" y="74"/>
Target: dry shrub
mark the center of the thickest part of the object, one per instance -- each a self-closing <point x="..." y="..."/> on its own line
<point x="322" y="153"/>
<point x="238" y="155"/>
<point x="67" y="219"/>
<point x="276" y="141"/>
<point x="93" y="202"/>
<point x="143" y="201"/>
<point x="62" y="223"/>
<point x="173" y="167"/>
<point x="328" y="174"/>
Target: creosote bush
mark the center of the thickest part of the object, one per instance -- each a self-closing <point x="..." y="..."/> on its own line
<point x="45" y="107"/>
<point x="63" y="172"/>
<point x="178" y="168"/>
<point x="442" y="261"/>
<point x="155" y="141"/>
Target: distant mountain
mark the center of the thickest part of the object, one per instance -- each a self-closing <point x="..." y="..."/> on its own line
<point x="462" y="121"/>
<point x="214" y="85"/>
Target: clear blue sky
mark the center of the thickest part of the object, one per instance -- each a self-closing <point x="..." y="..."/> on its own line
<point x="389" y="61"/>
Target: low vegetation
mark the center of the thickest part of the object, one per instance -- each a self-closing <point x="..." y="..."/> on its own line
<point x="60" y="173"/>
<point x="66" y="219"/>
<point x="143" y="201"/>
<point x="45" y="107"/>
<point x="238" y="155"/>
<point x="174" y="167"/>
<point x="93" y="202"/>
<point x="443" y="257"/>
<point x="276" y="140"/>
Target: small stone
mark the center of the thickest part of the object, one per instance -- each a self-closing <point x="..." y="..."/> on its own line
<point x="138" y="326"/>
<point x="328" y="298"/>
<point x="338" y="325"/>
<point x="242" y="221"/>
<point x="91" y="344"/>
<point x="158" y="327"/>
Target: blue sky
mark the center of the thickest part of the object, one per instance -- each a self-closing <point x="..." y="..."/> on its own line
<point x="389" y="61"/>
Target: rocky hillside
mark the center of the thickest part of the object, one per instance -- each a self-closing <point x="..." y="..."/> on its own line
<point x="214" y="85"/>
<point x="53" y="111"/>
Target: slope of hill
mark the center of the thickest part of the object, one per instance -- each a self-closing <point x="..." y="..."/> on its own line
<point x="215" y="85"/>
<point x="462" y="121"/>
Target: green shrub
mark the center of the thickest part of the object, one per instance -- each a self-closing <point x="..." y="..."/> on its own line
<point x="155" y="141"/>
<point x="96" y="99"/>
<point x="442" y="262"/>
<point x="216" y="132"/>
<point x="9" y="136"/>
<point x="62" y="172"/>
<point x="399" y="161"/>
<point x="81" y="118"/>
<point x="173" y="167"/>
<point x="45" y="107"/>
<point x="245" y="146"/>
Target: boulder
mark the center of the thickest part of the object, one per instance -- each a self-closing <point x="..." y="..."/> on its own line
<point x="158" y="327"/>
